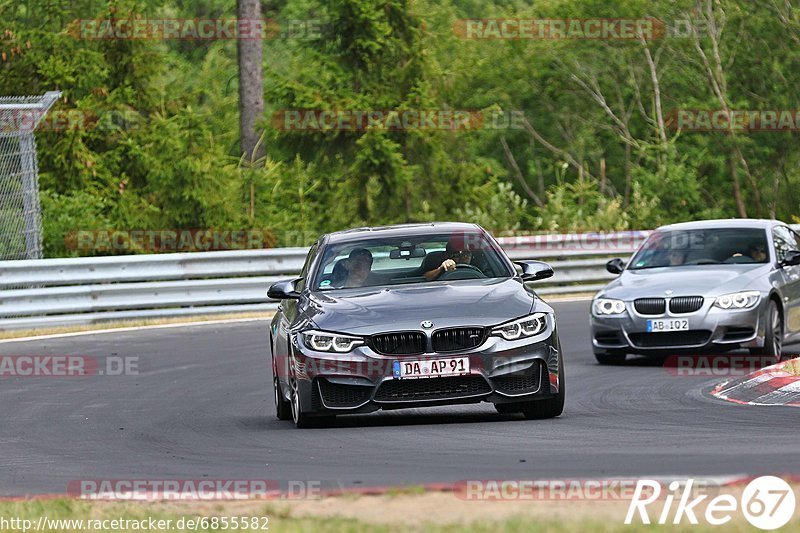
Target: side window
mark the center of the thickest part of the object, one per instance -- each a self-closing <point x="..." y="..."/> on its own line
<point x="304" y="273"/>
<point x="785" y="240"/>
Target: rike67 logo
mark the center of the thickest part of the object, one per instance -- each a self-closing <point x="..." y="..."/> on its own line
<point x="767" y="502"/>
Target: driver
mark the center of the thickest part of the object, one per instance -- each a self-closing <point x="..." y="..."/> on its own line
<point x="454" y="255"/>
<point x="758" y="252"/>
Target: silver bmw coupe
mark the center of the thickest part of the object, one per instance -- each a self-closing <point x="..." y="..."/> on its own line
<point x="714" y="285"/>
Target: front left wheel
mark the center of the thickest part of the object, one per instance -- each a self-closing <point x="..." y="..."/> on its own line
<point x="552" y="407"/>
<point x="539" y="409"/>
<point x="773" y="335"/>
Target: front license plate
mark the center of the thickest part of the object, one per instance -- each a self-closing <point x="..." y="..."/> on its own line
<point x="667" y="325"/>
<point x="431" y="368"/>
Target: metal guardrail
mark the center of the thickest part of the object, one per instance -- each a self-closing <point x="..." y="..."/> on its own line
<point x="58" y="292"/>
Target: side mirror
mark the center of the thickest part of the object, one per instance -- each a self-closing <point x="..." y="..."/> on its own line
<point x="615" y="266"/>
<point x="533" y="270"/>
<point x="791" y="258"/>
<point x="284" y="290"/>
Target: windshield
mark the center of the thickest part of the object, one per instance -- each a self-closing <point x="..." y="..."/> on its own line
<point x="682" y="248"/>
<point x="409" y="259"/>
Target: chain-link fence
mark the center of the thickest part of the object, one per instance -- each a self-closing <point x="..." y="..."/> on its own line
<point x="20" y="213"/>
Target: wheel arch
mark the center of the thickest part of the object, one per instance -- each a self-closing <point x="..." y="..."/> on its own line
<point x="775" y="297"/>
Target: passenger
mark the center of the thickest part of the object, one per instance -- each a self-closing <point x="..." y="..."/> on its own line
<point x="358" y="266"/>
<point x="676" y="257"/>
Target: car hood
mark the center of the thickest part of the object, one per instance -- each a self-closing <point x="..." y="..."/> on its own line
<point x="364" y="311"/>
<point x="708" y="280"/>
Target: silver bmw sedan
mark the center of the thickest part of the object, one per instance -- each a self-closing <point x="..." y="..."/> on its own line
<point x="713" y="285"/>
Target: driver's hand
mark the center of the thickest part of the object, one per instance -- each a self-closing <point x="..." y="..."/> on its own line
<point x="448" y="265"/>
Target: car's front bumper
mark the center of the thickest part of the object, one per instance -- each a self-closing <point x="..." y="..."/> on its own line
<point x="710" y="329"/>
<point x="362" y="381"/>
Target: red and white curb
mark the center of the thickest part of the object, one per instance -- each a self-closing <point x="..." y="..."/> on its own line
<point x="772" y="385"/>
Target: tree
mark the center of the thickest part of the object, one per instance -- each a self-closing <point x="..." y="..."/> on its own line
<point x="251" y="79"/>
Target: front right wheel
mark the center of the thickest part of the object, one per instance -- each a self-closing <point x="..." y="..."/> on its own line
<point x="283" y="408"/>
<point x="302" y="419"/>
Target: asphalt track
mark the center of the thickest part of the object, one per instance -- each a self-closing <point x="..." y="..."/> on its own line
<point x="201" y="407"/>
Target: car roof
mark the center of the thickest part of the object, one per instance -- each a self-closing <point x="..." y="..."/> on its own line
<point x="758" y="223"/>
<point x="399" y="230"/>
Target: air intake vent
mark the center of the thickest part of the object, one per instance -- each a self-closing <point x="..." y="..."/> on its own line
<point x="523" y="382"/>
<point x="399" y="343"/>
<point x="451" y="340"/>
<point x="650" y="306"/>
<point x="668" y="339"/>
<point x="685" y="304"/>
<point x="410" y="390"/>
<point x="338" y="395"/>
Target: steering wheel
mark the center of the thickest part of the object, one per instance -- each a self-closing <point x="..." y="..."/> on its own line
<point x="463" y="271"/>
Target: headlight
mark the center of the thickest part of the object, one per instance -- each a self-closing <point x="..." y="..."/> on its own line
<point x="322" y="341"/>
<point x="522" y="327"/>
<point x="738" y="300"/>
<point x="607" y="306"/>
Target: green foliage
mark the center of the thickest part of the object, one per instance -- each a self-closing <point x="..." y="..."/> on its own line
<point x="64" y="214"/>
<point x="580" y="206"/>
<point x="496" y="207"/>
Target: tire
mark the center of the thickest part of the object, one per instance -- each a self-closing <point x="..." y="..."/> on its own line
<point x="283" y="408"/>
<point x="610" y="358"/>
<point x="551" y="407"/>
<point x="773" y="334"/>
<point x="301" y="419"/>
